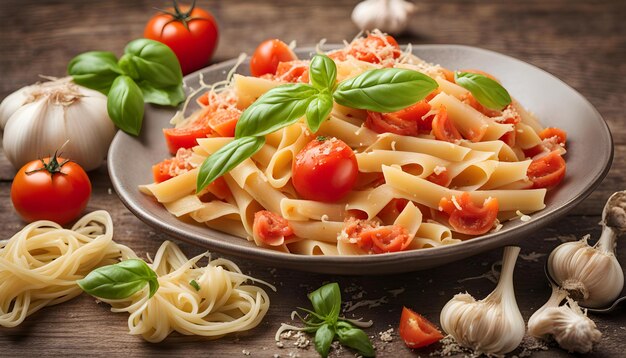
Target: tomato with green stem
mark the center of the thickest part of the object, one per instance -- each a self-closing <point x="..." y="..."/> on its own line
<point x="53" y="189"/>
<point x="191" y="32"/>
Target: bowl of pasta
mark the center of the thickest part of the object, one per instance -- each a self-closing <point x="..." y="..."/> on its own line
<point x="366" y="157"/>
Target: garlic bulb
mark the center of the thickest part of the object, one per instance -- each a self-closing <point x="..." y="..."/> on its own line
<point x="592" y="275"/>
<point x="568" y="324"/>
<point x="38" y="119"/>
<point x="493" y="325"/>
<point x="389" y="16"/>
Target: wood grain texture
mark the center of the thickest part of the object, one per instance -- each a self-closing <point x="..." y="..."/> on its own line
<point x="581" y="42"/>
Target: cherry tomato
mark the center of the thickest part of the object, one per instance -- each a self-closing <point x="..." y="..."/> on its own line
<point x="270" y="227"/>
<point x="268" y="55"/>
<point x="470" y="219"/>
<point x="547" y="171"/>
<point x="324" y="170"/>
<point x="553" y="132"/>
<point x="443" y="128"/>
<point x="53" y="189"/>
<point x="407" y="121"/>
<point x="293" y="71"/>
<point x="417" y="331"/>
<point x="190" y="32"/>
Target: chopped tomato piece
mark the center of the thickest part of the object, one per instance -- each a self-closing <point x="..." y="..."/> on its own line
<point x="390" y="238"/>
<point x="442" y="178"/>
<point x="217" y="188"/>
<point x="417" y="331"/>
<point x="270" y="227"/>
<point x="161" y="171"/>
<point x="407" y="121"/>
<point x="169" y="168"/>
<point x="443" y="128"/>
<point x="467" y="217"/>
<point x="547" y="171"/>
<point x="372" y="49"/>
<point x="448" y="75"/>
<point x="510" y="137"/>
<point x="293" y="71"/>
<point x="553" y="132"/>
<point x="533" y="151"/>
<point x="203" y="99"/>
<point x="224" y="121"/>
<point x="391" y="211"/>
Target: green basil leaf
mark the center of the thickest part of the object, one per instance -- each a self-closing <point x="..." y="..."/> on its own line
<point x="194" y="284"/>
<point x="384" y="90"/>
<point x="125" y="105"/>
<point x="120" y="281"/>
<point x="323" y="72"/>
<point x="277" y="108"/>
<point x="153" y="62"/>
<point x="323" y="338"/>
<point x="355" y="338"/>
<point x="318" y="111"/>
<point x="226" y="158"/>
<point x="95" y="69"/>
<point x="487" y="92"/>
<point x="168" y="96"/>
<point x="326" y="301"/>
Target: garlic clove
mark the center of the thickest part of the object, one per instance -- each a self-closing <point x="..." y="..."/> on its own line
<point x="11" y="103"/>
<point x="390" y="16"/>
<point x="493" y="325"/>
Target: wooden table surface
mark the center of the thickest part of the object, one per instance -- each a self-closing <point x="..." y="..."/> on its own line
<point x="581" y="42"/>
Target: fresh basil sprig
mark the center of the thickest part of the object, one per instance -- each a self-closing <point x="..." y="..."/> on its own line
<point x="324" y="321"/>
<point x="120" y="281"/>
<point x="152" y="68"/>
<point x="381" y="90"/>
<point x="487" y="92"/>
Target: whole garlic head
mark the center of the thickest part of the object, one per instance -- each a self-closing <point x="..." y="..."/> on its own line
<point x="568" y="324"/>
<point x="389" y="16"/>
<point x="40" y="118"/>
<point x="493" y="325"/>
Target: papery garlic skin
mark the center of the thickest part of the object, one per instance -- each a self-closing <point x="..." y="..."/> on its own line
<point x="568" y="324"/>
<point x="390" y="16"/>
<point x="592" y="275"/>
<point x="52" y="113"/>
<point x="493" y="325"/>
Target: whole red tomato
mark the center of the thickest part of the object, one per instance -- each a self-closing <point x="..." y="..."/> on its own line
<point x="268" y="55"/>
<point x="50" y="189"/>
<point x="189" y="31"/>
<point x="324" y="170"/>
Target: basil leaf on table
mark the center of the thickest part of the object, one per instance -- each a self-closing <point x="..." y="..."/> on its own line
<point x="326" y="301"/>
<point x="168" y="96"/>
<point x="384" y="90"/>
<point x="355" y="338"/>
<point x="324" y="337"/>
<point x="120" y="281"/>
<point x="125" y="105"/>
<point x="151" y="61"/>
<point x="487" y="92"/>
<point x="277" y="108"/>
<point x="323" y="72"/>
<point x="226" y="158"/>
<point x="318" y="111"/>
<point x="95" y="69"/>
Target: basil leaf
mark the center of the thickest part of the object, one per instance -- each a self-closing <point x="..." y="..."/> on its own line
<point x="125" y="105"/>
<point x="318" y="111"/>
<point x="355" y="338"/>
<point x="323" y="72"/>
<point x="326" y="301"/>
<point x="194" y="284"/>
<point x="277" y="108"/>
<point x="120" y="281"/>
<point x="153" y="62"/>
<point x="323" y="339"/>
<point x="95" y="69"/>
<point x="168" y="96"/>
<point x="487" y="92"/>
<point x="384" y="90"/>
<point x="226" y="158"/>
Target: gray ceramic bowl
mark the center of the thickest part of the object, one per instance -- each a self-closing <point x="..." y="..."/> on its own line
<point x="590" y="151"/>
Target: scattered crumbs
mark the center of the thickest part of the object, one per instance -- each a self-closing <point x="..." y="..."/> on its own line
<point x="276" y="355"/>
<point x="566" y="238"/>
<point x="350" y="306"/>
<point x="286" y="334"/>
<point x="484" y="263"/>
<point x="441" y="293"/>
<point x="430" y="280"/>
<point x="301" y="340"/>
<point x="523" y="217"/>
<point x="531" y="257"/>
<point x="109" y="191"/>
<point x="245" y="352"/>
<point x="293" y="355"/>
<point x="550" y="239"/>
<point x="264" y="348"/>
<point x="492" y="275"/>
<point x="386" y="336"/>
<point x="279" y="344"/>
<point x="396" y="292"/>
<point x="530" y="345"/>
<point x="449" y="347"/>
<point x="272" y="272"/>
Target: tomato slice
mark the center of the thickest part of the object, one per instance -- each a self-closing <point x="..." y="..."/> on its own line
<point x="271" y="228"/>
<point x="468" y="218"/>
<point x="161" y="171"/>
<point x="417" y="331"/>
<point x="268" y="55"/>
<point x="224" y="121"/>
<point x="408" y="121"/>
<point x="553" y="132"/>
<point x="443" y="128"/>
<point x="169" y="168"/>
<point x="382" y="239"/>
<point x="547" y="171"/>
<point x="293" y="71"/>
